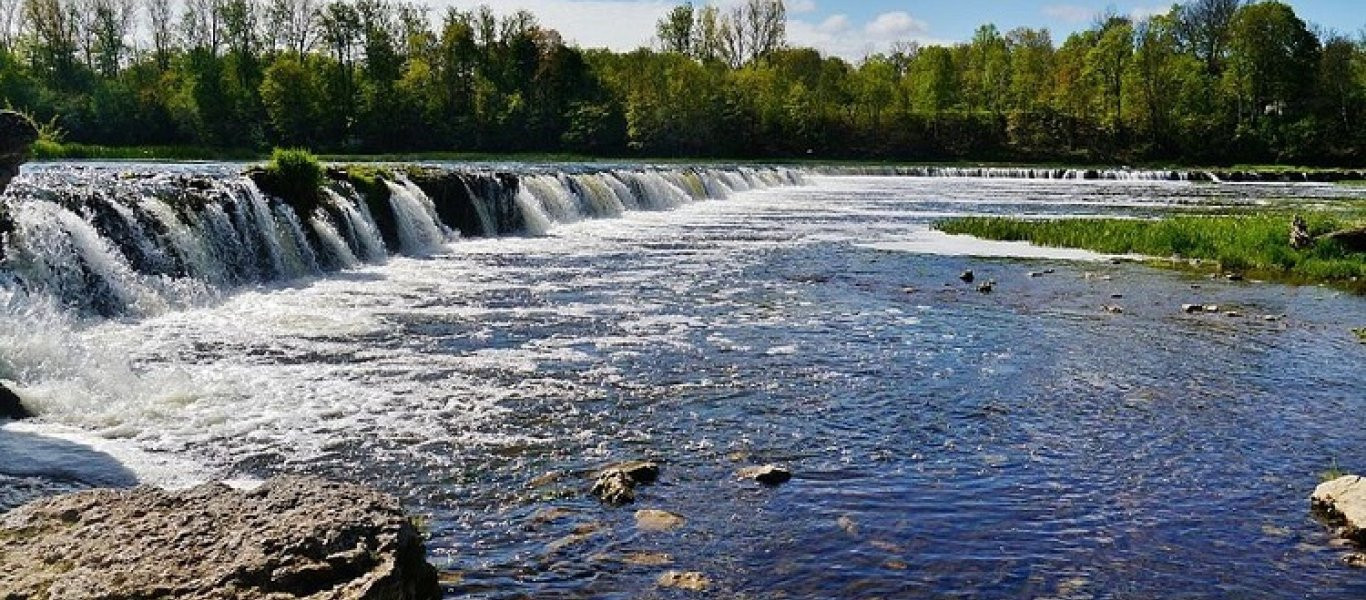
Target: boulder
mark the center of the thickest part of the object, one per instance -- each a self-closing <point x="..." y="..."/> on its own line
<point x="293" y="537"/>
<point x="10" y="405"/>
<point x="1342" y="502"/>
<point x="617" y="484"/>
<point x="17" y="134"/>
<point x="614" y="487"/>
<point x="967" y="276"/>
<point x="767" y="474"/>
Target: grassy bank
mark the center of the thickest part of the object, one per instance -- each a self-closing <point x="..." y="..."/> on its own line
<point x="1254" y="245"/>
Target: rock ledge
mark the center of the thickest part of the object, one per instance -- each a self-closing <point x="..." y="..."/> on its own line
<point x="293" y="537"/>
<point x="1342" y="502"/>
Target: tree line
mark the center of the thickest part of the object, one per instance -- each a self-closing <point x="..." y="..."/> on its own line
<point x="1209" y="81"/>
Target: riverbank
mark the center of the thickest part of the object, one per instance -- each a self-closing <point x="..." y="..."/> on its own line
<point x="1249" y="245"/>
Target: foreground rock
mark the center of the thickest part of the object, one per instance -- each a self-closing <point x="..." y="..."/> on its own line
<point x="617" y="484"/>
<point x="293" y="537"/>
<point x="17" y="134"/>
<point x="10" y="405"/>
<point x="1342" y="502"/>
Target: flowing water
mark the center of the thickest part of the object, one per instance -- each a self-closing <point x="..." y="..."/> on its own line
<point x="945" y="443"/>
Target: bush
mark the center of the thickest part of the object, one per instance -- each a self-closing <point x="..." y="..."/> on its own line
<point x="295" y="176"/>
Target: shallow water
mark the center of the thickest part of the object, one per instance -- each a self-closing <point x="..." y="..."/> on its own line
<point x="945" y="443"/>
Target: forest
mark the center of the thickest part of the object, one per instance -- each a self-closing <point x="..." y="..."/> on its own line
<point x="1210" y="82"/>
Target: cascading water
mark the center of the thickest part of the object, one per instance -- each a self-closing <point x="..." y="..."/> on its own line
<point x="79" y="244"/>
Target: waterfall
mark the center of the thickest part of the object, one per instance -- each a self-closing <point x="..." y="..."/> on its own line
<point x="419" y="229"/>
<point x="362" y="234"/>
<point x="97" y="241"/>
<point x="1116" y="174"/>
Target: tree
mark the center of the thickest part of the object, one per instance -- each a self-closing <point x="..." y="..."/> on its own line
<point x="675" y="30"/>
<point x="1271" y="79"/>
<point x="1203" y="26"/>
<point x="162" y="23"/>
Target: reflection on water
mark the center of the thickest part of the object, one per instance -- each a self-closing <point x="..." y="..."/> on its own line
<point x="945" y="443"/>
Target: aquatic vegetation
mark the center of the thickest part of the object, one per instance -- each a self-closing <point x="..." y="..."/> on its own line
<point x="1254" y="244"/>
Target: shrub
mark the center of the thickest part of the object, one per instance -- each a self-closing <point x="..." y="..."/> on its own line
<point x="295" y="176"/>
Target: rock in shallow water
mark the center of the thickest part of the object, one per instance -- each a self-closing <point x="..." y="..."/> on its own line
<point x="692" y="581"/>
<point x="10" y="406"/>
<point x="1342" y="502"/>
<point x="17" y="134"/>
<point x="767" y="474"/>
<point x="617" y="484"/>
<point x="294" y="537"/>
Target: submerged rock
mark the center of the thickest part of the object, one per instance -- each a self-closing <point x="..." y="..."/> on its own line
<point x="293" y="537"/>
<point x="658" y="520"/>
<point x="1342" y="502"/>
<point x="10" y="405"/>
<point x="617" y="484"/>
<point x="767" y="474"/>
<point x="692" y="581"/>
<point x="17" y="134"/>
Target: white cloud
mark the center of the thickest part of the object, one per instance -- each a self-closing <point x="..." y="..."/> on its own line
<point x="1069" y="13"/>
<point x="800" y="7"/>
<point x="840" y="36"/>
<point x="897" y="24"/>
<point x="835" y="24"/>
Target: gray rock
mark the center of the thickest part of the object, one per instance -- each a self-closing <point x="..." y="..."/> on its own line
<point x="617" y="484"/>
<point x="767" y="474"/>
<point x="10" y="405"/>
<point x="17" y="134"/>
<point x="1342" y="503"/>
<point x="294" y="537"/>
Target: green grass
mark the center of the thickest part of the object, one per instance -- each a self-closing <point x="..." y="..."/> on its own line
<point x="51" y="150"/>
<point x="1255" y="245"/>
<point x="1333" y="473"/>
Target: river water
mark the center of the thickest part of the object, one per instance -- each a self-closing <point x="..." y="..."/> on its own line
<point x="945" y="443"/>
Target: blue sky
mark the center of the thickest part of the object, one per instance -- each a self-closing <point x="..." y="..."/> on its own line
<point x="854" y="29"/>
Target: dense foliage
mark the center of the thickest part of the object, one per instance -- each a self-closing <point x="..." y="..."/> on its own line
<point x="1210" y="81"/>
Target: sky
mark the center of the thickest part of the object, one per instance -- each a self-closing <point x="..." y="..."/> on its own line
<point x="855" y="29"/>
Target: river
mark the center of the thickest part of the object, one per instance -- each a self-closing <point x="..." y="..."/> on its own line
<point x="945" y="442"/>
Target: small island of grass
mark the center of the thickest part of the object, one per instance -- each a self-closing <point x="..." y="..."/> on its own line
<point x="1253" y="245"/>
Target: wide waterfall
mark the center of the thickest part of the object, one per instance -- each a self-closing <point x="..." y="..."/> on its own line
<point x="113" y="242"/>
